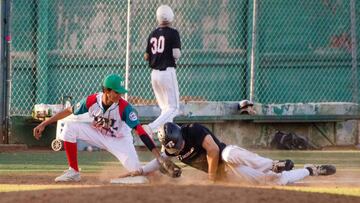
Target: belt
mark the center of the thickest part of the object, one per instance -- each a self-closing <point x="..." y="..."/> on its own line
<point x="162" y="69"/>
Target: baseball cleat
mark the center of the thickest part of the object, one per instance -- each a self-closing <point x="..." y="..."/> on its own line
<point x="69" y="175"/>
<point x="282" y="165"/>
<point x="320" y="170"/>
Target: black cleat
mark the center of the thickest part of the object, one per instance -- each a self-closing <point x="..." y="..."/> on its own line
<point x="282" y="165"/>
<point x="321" y="170"/>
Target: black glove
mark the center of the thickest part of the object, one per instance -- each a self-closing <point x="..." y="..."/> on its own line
<point x="169" y="168"/>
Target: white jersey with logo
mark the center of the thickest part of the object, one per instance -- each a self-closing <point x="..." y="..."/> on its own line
<point x="116" y="121"/>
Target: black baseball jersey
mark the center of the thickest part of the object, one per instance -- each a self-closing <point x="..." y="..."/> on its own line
<point x="159" y="47"/>
<point x="193" y="154"/>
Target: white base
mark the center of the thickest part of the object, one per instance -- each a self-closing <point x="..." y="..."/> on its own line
<point x="130" y="180"/>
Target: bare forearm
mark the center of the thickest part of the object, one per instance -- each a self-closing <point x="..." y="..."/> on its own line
<point x="213" y="161"/>
<point x="212" y="155"/>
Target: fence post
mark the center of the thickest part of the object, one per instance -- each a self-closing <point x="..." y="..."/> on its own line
<point x="6" y="88"/>
<point x="355" y="76"/>
<point x="2" y="76"/>
<point x="127" y="47"/>
<point x="253" y="50"/>
<point x="41" y="51"/>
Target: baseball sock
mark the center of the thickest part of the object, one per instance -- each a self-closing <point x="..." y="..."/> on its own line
<point x="71" y="154"/>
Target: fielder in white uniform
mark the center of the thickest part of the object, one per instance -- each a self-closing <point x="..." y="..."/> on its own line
<point x="113" y="120"/>
<point x="162" y="51"/>
<point x="196" y="146"/>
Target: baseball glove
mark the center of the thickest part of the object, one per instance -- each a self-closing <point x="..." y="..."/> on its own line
<point x="169" y="168"/>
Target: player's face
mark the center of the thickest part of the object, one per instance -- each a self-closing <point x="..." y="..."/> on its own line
<point x="112" y="96"/>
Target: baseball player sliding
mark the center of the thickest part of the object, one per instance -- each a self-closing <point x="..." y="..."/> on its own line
<point x="197" y="146"/>
<point x="162" y="51"/>
<point x="113" y="120"/>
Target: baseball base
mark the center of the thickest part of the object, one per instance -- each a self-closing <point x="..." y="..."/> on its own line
<point x="130" y="180"/>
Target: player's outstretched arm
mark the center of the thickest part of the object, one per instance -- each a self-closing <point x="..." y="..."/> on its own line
<point x="169" y="167"/>
<point x="41" y="127"/>
<point x="150" y="167"/>
<point x="212" y="155"/>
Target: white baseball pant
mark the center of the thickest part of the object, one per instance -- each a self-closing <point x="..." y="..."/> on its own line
<point x="256" y="169"/>
<point x="121" y="147"/>
<point x="166" y="90"/>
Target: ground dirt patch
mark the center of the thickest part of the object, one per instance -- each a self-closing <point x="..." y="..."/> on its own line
<point x="171" y="194"/>
<point x="95" y="187"/>
<point x="35" y="171"/>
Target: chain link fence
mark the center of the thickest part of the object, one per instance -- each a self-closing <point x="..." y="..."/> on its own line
<point x="306" y="51"/>
<point x="273" y="51"/>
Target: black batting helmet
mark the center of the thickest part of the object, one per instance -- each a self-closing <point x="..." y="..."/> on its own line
<point x="246" y="107"/>
<point x="170" y="137"/>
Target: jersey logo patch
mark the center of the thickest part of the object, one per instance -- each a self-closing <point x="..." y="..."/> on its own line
<point x="132" y="116"/>
<point x="186" y="155"/>
<point x="78" y="105"/>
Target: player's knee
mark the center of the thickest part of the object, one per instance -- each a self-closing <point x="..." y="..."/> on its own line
<point x="68" y="132"/>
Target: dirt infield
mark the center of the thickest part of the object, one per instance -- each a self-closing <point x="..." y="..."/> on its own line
<point x="171" y="194"/>
<point x="39" y="186"/>
<point x="95" y="187"/>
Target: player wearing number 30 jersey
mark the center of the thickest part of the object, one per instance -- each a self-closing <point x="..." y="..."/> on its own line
<point x="162" y="51"/>
<point x="160" y="47"/>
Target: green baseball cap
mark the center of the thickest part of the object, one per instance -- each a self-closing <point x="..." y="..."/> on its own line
<point x="115" y="83"/>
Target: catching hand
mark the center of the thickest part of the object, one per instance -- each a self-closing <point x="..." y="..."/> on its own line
<point x="38" y="131"/>
<point x="169" y="168"/>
